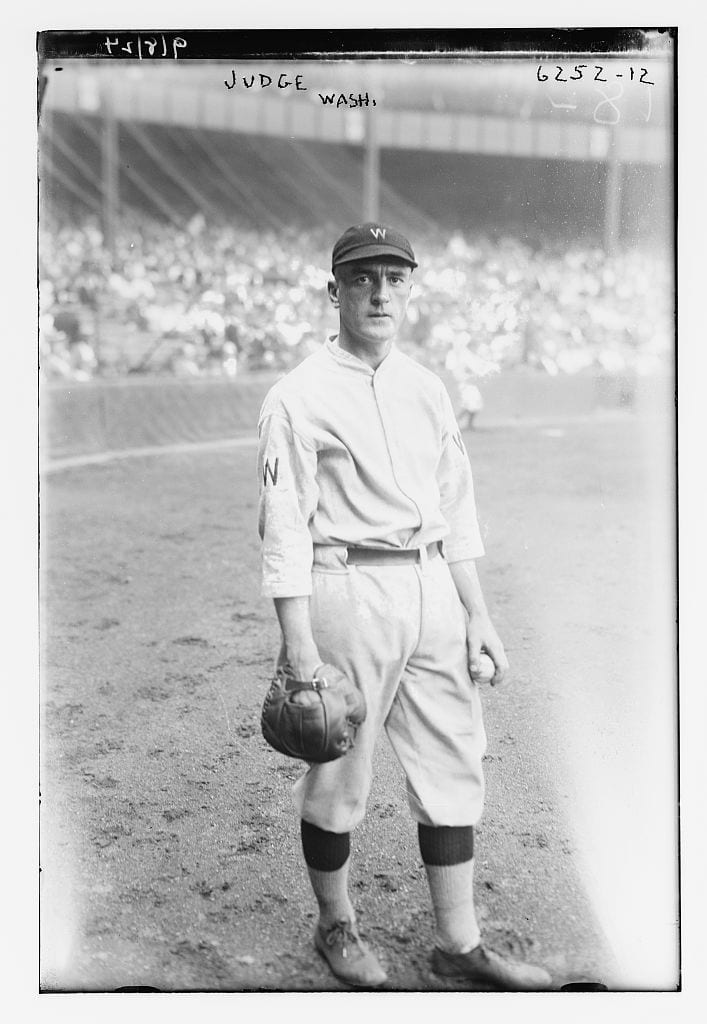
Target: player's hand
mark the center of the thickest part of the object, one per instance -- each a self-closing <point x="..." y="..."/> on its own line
<point x="303" y="663"/>
<point x="481" y="636"/>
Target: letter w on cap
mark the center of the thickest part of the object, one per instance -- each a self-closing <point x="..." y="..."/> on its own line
<point x="378" y="233"/>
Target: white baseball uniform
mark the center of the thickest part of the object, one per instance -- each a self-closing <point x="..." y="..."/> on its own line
<point x="355" y="457"/>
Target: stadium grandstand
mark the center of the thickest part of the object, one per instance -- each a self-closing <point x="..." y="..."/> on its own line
<point x="186" y="216"/>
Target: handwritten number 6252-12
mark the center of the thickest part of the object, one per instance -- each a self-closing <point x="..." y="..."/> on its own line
<point x="579" y="74"/>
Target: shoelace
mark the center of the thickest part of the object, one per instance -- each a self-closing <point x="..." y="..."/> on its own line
<point x="342" y="932"/>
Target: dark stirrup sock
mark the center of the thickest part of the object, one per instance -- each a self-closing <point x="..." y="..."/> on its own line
<point x="327" y="857"/>
<point x="443" y="845"/>
<point x="324" y="851"/>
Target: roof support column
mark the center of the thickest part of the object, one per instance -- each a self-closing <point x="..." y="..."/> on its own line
<point x="371" y="157"/>
<point x="612" y="199"/>
<point x="109" y="170"/>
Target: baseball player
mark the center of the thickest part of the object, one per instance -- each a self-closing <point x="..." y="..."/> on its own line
<point x="369" y="539"/>
<point x="472" y="403"/>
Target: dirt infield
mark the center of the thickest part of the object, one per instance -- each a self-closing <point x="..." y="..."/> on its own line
<point x="170" y="851"/>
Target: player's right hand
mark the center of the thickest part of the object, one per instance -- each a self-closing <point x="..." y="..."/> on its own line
<point x="481" y="636"/>
<point x="304" y="664"/>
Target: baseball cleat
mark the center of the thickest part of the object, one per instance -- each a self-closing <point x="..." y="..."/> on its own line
<point x="490" y="972"/>
<point x="349" y="958"/>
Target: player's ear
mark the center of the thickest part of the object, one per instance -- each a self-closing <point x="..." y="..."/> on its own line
<point x="333" y="290"/>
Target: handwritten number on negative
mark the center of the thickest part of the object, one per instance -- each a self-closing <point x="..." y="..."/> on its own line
<point x="599" y="69"/>
<point x="609" y="103"/>
<point x="178" y="43"/>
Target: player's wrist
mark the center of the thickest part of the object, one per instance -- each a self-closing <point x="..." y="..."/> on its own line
<point x="303" y="660"/>
<point x="478" y="619"/>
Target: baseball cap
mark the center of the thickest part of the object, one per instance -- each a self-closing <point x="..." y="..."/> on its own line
<point x="365" y="240"/>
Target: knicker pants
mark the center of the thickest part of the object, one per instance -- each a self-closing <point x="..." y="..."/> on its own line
<point x="399" y="631"/>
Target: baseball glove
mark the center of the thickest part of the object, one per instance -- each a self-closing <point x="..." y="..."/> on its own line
<point x="315" y="719"/>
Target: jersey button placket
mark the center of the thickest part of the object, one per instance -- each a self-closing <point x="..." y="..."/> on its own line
<point x="397" y="460"/>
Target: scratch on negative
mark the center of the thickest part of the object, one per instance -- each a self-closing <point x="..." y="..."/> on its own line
<point x="225" y="709"/>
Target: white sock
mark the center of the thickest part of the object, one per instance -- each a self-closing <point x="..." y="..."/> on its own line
<point x="332" y="891"/>
<point x="452" y="892"/>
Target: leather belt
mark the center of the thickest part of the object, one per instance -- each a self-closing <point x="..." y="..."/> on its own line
<point x="391" y="556"/>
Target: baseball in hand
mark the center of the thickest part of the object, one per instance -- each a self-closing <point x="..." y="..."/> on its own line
<point x="486" y="670"/>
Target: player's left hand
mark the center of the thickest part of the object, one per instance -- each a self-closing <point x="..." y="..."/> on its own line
<point x="482" y="636"/>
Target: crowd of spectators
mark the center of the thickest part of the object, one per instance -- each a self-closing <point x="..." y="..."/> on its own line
<point x="220" y="299"/>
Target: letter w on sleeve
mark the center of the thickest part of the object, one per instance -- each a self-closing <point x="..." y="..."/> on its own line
<point x="288" y="498"/>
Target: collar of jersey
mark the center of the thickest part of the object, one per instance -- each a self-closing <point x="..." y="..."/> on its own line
<point x="344" y="358"/>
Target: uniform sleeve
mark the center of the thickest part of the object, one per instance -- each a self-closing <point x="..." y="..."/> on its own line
<point x="288" y="495"/>
<point x="456" y="488"/>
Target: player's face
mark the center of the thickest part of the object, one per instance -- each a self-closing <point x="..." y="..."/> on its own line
<point x="372" y="296"/>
